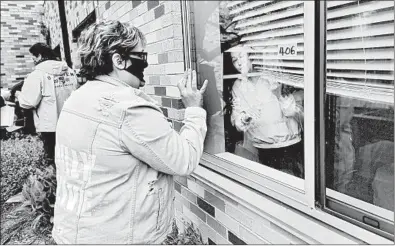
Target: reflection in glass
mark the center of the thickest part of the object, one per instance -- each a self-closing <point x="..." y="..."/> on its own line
<point x="362" y="150"/>
<point x="209" y="66"/>
<point x="359" y="105"/>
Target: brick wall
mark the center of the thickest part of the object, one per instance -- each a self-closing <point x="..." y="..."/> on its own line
<point x="161" y="23"/>
<point x="20" y="28"/>
<point x="52" y="22"/>
<point x="159" y="20"/>
<point x="222" y="220"/>
<point x="76" y="12"/>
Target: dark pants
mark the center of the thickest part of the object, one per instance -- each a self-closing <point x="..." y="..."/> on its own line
<point x="49" y="146"/>
<point x="289" y="159"/>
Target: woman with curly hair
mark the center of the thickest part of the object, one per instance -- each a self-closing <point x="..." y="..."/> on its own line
<point x="116" y="153"/>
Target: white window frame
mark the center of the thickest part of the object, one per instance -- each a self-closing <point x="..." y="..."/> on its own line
<point x="332" y="202"/>
<point x="268" y="181"/>
<point x="273" y="182"/>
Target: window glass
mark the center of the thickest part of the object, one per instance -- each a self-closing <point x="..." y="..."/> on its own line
<point x="76" y="33"/>
<point x="252" y="52"/>
<point x="360" y="104"/>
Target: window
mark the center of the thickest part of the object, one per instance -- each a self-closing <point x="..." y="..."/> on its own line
<point x="247" y="49"/>
<point x="90" y="19"/>
<point x="57" y="52"/>
<point x="359" y="112"/>
<point x="265" y="61"/>
<point x="253" y="51"/>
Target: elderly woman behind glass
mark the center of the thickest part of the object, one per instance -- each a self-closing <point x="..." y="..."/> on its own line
<point x="116" y="153"/>
<point x="270" y="120"/>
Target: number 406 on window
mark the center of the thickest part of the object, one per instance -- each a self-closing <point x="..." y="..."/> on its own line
<point x="288" y="49"/>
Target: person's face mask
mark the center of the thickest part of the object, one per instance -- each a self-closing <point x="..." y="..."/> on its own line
<point x="139" y="63"/>
<point x="36" y="59"/>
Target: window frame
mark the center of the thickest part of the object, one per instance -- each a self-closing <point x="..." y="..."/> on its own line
<point x="90" y="19"/>
<point x="232" y="169"/>
<point x="335" y="204"/>
<point x="309" y="199"/>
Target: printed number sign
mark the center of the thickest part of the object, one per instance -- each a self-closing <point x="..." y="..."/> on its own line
<point x="287" y="49"/>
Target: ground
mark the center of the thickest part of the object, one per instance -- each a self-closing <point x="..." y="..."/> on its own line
<point x="25" y="235"/>
<point x="22" y="156"/>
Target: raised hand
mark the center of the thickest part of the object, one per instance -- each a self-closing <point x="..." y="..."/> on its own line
<point x="190" y="95"/>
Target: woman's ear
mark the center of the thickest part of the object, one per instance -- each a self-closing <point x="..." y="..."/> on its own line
<point x="118" y="62"/>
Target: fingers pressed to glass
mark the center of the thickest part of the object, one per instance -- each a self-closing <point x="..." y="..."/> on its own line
<point x="204" y="86"/>
<point x="189" y="81"/>
<point x="194" y="83"/>
<point x="184" y="79"/>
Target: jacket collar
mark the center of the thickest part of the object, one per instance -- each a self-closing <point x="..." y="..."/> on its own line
<point x="111" y="80"/>
<point x="116" y="82"/>
<point x="53" y="67"/>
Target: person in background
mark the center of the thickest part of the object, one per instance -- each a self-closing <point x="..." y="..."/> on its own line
<point x="234" y="139"/>
<point x="116" y="153"/>
<point x="345" y="155"/>
<point x="270" y="117"/>
<point x="24" y="117"/>
<point x="2" y="102"/>
<point x="45" y="90"/>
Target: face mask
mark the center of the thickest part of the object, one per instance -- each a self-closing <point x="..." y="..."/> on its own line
<point x="137" y="68"/>
<point x="39" y="61"/>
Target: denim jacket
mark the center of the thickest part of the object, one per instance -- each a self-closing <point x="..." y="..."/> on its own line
<point x="116" y="155"/>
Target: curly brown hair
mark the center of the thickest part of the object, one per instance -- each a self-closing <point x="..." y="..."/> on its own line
<point x="100" y="41"/>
